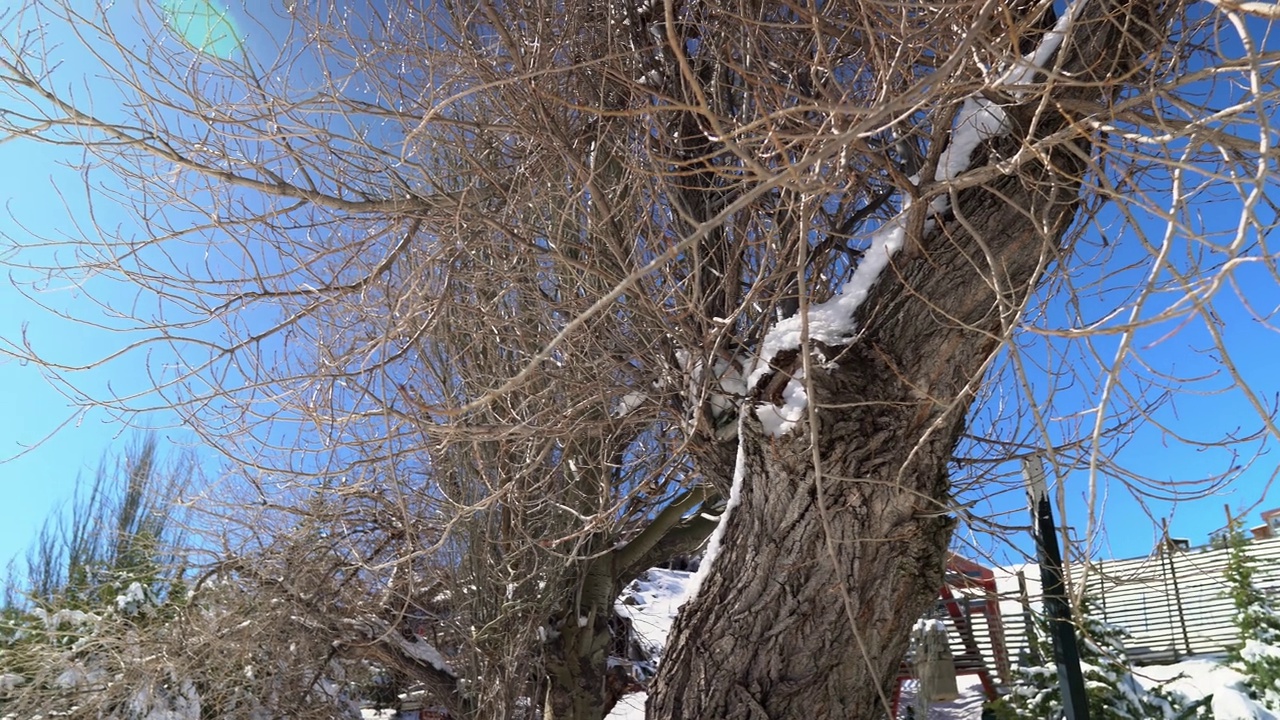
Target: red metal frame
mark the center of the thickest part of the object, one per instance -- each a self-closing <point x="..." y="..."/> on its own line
<point x="964" y="575"/>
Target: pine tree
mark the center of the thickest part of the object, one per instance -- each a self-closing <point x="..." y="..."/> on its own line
<point x="1112" y="690"/>
<point x="101" y="570"/>
<point x="1258" y="621"/>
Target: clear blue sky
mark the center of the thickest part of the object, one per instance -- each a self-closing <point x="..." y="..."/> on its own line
<point x="1182" y="447"/>
<point x="46" y="440"/>
<point x="46" y="199"/>
<point x="39" y="200"/>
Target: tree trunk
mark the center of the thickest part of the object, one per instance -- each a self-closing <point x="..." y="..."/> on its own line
<point x="768" y="635"/>
<point x="823" y="570"/>
<point x="577" y="667"/>
<point x="581" y="682"/>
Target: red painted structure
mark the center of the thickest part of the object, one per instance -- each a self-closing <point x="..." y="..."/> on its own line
<point x="968" y="593"/>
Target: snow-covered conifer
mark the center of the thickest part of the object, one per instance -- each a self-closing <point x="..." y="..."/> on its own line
<point x="1258" y="620"/>
<point x="1113" y="691"/>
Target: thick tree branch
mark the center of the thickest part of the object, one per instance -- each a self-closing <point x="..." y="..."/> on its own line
<point x="859" y="498"/>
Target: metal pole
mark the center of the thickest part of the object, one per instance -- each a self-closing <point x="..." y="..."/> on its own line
<point x="1177" y="591"/>
<point x="1032" y="657"/>
<point x="1062" y="631"/>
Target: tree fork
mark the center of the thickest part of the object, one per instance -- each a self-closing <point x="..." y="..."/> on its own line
<point x="778" y="630"/>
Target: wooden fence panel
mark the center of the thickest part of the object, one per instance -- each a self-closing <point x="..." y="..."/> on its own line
<point x="1172" y="605"/>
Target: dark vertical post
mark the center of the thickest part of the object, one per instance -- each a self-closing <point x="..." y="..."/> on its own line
<point x="1172" y="558"/>
<point x="1032" y="656"/>
<point x="1062" y="630"/>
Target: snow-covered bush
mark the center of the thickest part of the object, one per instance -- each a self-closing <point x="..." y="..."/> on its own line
<point x="1112" y="690"/>
<point x="110" y="623"/>
<point x="1258" y="620"/>
<point x="56" y="659"/>
<point x="230" y="648"/>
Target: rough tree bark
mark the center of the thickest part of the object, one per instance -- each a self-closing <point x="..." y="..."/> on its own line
<point x="581" y="683"/>
<point x="807" y="610"/>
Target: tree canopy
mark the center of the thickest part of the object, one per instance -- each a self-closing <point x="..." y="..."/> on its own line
<point x="495" y="305"/>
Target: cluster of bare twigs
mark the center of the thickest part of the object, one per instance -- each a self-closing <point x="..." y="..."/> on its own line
<point x="470" y="292"/>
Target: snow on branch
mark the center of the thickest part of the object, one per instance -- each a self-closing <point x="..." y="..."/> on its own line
<point x="412" y="647"/>
<point x="1264" y="10"/>
<point x="832" y="322"/>
<point x="422" y="651"/>
<point x="981" y="119"/>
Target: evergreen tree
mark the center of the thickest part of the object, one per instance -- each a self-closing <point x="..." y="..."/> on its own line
<point x="101" y="569"/>
<point x="1258" y="621"/>
<point x="122" y="527"/>
<point x="1112" y="690"/>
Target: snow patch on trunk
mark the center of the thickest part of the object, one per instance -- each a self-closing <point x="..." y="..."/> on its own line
<point x="717" y="535"/>
<point x="778" y="420"/>
<point x="830" y="323"/>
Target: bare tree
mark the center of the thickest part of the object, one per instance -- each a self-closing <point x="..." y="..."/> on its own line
<point x="116" y="546"/>
<point x="501" y="301"/>
<point x="119" y="527"/>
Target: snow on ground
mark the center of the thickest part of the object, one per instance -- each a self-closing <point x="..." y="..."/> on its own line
<point x="651" y="603"/>
<point x="630" y="707"/>
<point x="1194" y="677"/>
<point x="1205" y="675"/>
<point x="966" y="707"/>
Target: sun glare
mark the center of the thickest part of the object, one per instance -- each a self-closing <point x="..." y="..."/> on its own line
<point x="204" y="25"/>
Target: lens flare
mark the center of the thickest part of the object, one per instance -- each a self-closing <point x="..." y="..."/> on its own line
<point x="205" y="26"/>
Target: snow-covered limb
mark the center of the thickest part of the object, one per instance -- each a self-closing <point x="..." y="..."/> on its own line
<point x="628" y="404"/>
<point x="415" y="647"/>
<point x="717" y="536"/>
<point x="1265" y="10"/>
<point x="832" y="322"/>
<point x="721" y="391"/>
<point x="1038" y="59"/>
<point x="423" y="651"/>
<point x="981" y="119"/>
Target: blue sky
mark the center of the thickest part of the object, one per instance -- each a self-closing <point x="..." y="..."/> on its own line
<point x="47" y="199"/>
<point x="47" y="439"/>
<point x="38" y="201"/>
